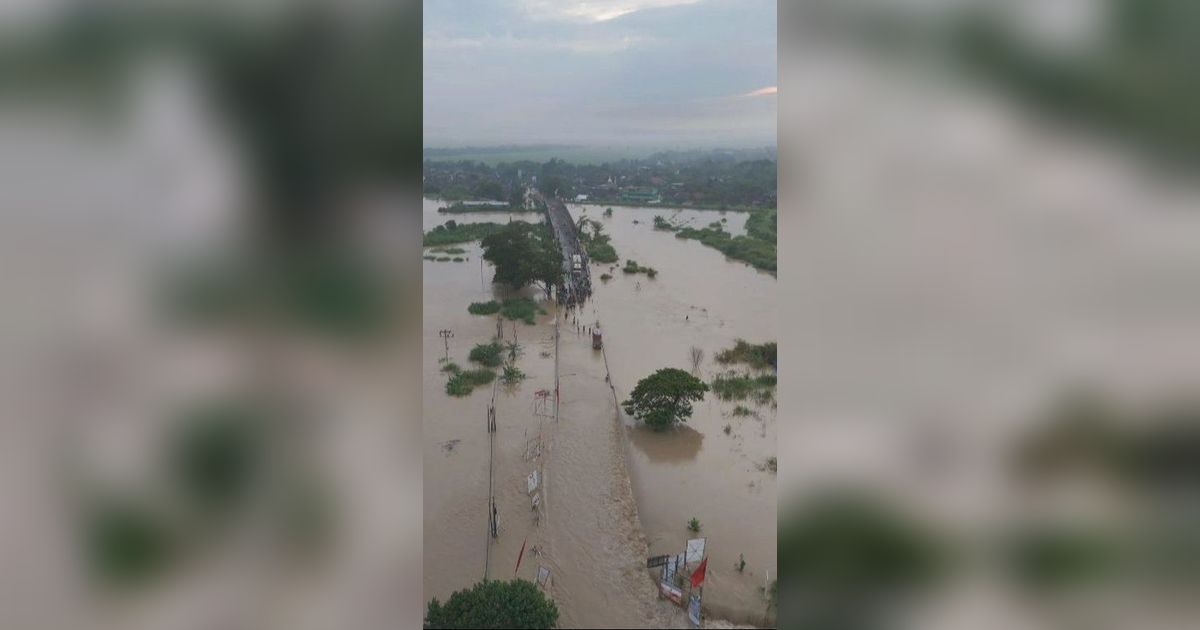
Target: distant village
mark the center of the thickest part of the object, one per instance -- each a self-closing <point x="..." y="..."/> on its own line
<point x="728" y="179"/>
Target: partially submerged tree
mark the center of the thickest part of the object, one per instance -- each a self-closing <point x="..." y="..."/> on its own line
<point x="494" y="604"/>
<point x="664" y="398"/>
<point x="523" y="254"/>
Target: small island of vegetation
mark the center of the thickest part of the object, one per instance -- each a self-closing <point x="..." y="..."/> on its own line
<point x="452" y="232"/>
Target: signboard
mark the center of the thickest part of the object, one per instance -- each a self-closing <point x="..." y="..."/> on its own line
<point x="542" y="576"/>
<point x="532" y="481"/>
<point x="674" y="563"/>
<point x="694" y="610"/>
<point x="670" y="592"/>
<point x="656" y="561"/>
<point x="695" y="550"/>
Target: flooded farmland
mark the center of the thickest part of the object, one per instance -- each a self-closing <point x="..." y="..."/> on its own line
<point x="610" y="493"/>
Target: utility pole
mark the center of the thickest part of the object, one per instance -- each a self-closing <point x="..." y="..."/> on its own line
<point x="446" y="334"/>
<point x="556" y="316"/>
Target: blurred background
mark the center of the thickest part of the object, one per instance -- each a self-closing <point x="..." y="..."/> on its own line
<point x="993" y="355"/>
<point x="210" y="236"/>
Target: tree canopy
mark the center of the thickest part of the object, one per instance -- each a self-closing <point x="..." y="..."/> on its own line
<point x="664" y="398"/>
<point x="494" y="604"/>
<point x="524" y="253"/>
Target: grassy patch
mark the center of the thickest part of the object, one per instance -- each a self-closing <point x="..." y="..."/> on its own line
<point x="451" y="367"/>
<point x="487" y="354"/>
<point x="741" y="411"/>
<point x="491" y="307"/>
<point x="759" y="356"/>
<point x="757" y="247"/>
<point x="758" y="253"/>
<point x="452" y="251"/>
<point x="523" y="309"/>
<point x="734" y="386"/>
<point x="462" y="382"/>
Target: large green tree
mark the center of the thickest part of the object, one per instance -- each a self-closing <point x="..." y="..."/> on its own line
<point x="664" y="398"/>
<point x="494" y="604"/>
<point x="523" y="254"/>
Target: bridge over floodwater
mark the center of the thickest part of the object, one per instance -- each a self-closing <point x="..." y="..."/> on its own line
<point x="576" y="284"/>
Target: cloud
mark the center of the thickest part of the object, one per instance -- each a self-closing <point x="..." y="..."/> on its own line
<point x="767" y="91"/>
<point x="510" y="43"/>
<point x="594" y="10"/>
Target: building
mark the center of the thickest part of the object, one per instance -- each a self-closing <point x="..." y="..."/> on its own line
<point x="639" y="194"/>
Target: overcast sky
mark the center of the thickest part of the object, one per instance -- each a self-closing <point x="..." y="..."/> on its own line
<point x="670" y="73"/>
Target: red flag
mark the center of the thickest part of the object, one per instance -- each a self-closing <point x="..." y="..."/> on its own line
<point x="520" y="555"/>
<point x="698" y="574"/>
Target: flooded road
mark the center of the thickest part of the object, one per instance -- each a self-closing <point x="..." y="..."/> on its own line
<point x="585" y="529"/>
<point x="699" y="298"/>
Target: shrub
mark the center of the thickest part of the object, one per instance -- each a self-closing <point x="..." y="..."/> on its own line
<point x="512" y="375"/>
<point x="773" y="464"/>
<point x="694" y="525"/>
<point x="451" y="367"/>
<point x="453" y="232"/>
<point x="728" y="429"/>
<point x="523" y="309"/>
<point x="487" y="354"/>
<point x="759" y="356"/>
<point x="631" y="266"/>
<point x="605" y="277"/>
<point x="461" y="383"/>
<point x="490" y="307"/>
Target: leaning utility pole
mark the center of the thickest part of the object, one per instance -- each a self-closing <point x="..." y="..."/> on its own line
<point x="446" y="334"/>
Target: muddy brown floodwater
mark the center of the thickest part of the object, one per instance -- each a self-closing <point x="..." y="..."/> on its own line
<point x="610" y="493"/>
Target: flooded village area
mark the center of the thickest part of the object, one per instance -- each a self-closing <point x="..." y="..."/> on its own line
<point x="584" y="502"/>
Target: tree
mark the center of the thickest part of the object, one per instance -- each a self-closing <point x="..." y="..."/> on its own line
<point x="523" y="254"/>
<point x="664" y="398"/>
<point x="494" y="604"/>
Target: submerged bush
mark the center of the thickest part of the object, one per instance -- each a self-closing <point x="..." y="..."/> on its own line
<point x="523" y="309"/>
<point x="461" y="383"/>
<point x="760" y="356"/>
<point x="490" y="307"/>
<point x="487" y="354"/>
<point x="734" y="386"/>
